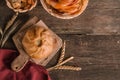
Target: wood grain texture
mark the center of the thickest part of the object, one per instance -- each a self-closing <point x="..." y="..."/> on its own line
<point x="98" y="54"/>
<point x="101" y="17"/>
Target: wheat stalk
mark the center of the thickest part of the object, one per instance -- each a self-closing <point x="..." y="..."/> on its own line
<point x="1" y="32"/>
<point x="9" y="33"/>
<point x="10" y="22"/>
<point x="60" y="63"/>
<point x="65" y="61"/>
<point x="62" y="53"/>
<point x="69" y="68"/>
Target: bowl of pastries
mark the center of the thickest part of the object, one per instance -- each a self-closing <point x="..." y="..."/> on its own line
<point x="21" y="5"/>
<point x="64" y="9"/>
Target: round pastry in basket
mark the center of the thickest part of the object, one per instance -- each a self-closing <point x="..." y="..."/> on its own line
<point x="64" y="9"/>
<point x="21" y="5"/>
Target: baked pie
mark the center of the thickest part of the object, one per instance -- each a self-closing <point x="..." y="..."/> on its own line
<point x="21" y="5"/>
<point x="64" y="9"/>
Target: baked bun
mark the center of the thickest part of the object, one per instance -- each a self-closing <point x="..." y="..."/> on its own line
<point x="65" y="9"/>
<point x="38" y="42"/>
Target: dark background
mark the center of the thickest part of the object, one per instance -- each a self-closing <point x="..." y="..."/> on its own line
<point x="92" y="38"/>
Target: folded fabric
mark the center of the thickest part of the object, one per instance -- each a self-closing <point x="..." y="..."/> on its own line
<point x="31" y="71"/>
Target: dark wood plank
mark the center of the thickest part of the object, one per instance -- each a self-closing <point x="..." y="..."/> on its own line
<point x="99" y="57"/>
<point x="100" y="17"/>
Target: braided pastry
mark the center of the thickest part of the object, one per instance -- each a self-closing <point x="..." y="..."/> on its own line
<point x="38" y="42"/>
<point x="66" y="6"/>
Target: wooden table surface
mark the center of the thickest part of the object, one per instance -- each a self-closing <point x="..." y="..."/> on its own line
<point x="92" y="38"/>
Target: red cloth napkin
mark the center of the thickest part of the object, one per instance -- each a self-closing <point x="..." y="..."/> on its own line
<point x="31" y="71"/>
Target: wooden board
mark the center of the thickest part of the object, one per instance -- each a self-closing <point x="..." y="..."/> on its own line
<point x="17" y="38"/>
<point x="98" y="56"/>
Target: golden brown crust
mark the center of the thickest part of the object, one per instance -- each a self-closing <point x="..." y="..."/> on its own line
<point x="21" y="5"/>
<point x="66" y="10"/>
<point x="38" y="42"/>
<point x="66" y="6"/>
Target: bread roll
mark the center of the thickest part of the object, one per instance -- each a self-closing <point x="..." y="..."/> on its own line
<point x="38" y="42"/>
